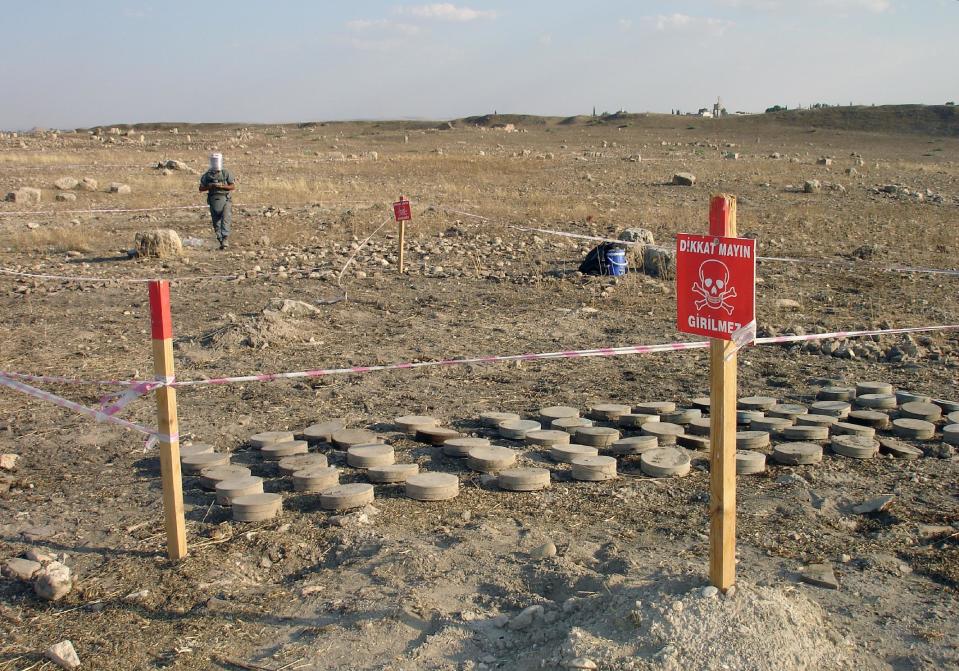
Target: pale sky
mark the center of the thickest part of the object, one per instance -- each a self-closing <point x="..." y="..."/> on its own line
<point x="66" y="64"/>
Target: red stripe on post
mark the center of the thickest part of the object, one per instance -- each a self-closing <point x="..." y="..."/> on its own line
<point x="719" y="211"/>
<point x="160" y="322"/>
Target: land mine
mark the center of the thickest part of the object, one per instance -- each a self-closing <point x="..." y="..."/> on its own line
<point x="844" y="563"/>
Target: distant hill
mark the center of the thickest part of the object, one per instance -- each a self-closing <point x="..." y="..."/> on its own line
<point x="924" y="119"/>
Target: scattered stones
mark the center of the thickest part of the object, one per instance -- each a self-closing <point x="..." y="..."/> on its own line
<point x="256" y="507"/>
<point x="261" y="440"/>
<point x="288" y="448"/>
<point x="321" y="432"/>
<point x="392" y="473"/>
<point x="365" y="456"/>
<point x="914" y="429"/>
<point x="516" y="429"/>
<point x="491" y="459"/>
<point x="64" y="655"/>
<point x="290" y="465"/>
<point x="855" y="447"/>
<point x="547" y="437"/>
<point x="344" y="497"/>
<point x="316" y="479"/>
<point x="820" y="575"/>
<point x="684" y="179"/>
<point x="749" y="462"/>
<point x="665" y="462"/>
<point x="162" y="243"/>
<point x="227" y="490"/>
<point x="347" y="438"/>
<point x="432" y="486"/>
<point x="544" y="551"/>
<point x="876" y="505"/>
<point x="596" y="436"/>
<point x="565" y="454"/>
<point x="21" y="569"/>
<point x="412" y="423"/>
<point x="523" y="479"/>
<point x="593" y="468"/>
<point x="797" y="454"/>
<point x="526" y="618"/>
<point x="898" y="450"/>
<point x="494" y="419"/>
<point x="460" y="447"/>
<point x="53" y="581"/>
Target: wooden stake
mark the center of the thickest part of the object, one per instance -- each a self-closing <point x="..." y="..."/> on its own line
<point x="402" y="242"/>
<point x="722" y="443"/>
<point x="162" y="334"/>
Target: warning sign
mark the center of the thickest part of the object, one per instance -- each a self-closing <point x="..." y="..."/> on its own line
<point x="401" y="211"/>
<point x="715" y="284"/>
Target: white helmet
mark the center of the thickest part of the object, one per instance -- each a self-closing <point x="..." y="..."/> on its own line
<point x="216" y="162"/>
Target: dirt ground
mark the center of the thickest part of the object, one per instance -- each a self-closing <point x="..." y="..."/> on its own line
<point x="463" y="584"/>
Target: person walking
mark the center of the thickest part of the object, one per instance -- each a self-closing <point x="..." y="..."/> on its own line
<point x="218" y="183"/>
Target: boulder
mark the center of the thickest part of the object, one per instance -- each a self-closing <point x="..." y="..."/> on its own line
<point x="659" y="262"/>
<point x="812" y="186"/>
<point x="684" y="179"/>
<point x="53" y="582"/>
<point x="66" y="197"/>
<point x="66" y="183"/>
<point x="63" y="655"/>
<point x="24" y="196"/>
<point x="117" y="187"/>
<point x="87" y="184"/>
<point x="162" y="243"/>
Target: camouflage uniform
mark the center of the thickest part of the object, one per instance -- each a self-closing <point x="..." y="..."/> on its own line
<point x="221" y="209"/>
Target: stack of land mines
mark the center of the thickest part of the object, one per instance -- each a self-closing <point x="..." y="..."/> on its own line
<point x="342" y="468"/>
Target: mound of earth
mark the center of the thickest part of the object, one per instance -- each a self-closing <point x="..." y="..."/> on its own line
<point x="281" y="323"/>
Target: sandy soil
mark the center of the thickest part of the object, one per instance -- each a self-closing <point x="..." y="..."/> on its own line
<point x="460" y="584"/>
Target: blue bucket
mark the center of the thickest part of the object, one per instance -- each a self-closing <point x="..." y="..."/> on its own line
<point x="616" y="261"/>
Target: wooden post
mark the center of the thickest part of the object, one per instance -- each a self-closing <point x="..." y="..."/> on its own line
<point x="402" y="241"/>
<point x="722" y="442"/>
<point x="162" y="334"/>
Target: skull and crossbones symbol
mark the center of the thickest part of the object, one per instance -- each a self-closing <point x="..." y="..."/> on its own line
<point x="713" y="286"/>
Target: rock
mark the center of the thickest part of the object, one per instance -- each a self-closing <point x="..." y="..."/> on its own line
<point x="66" y="197"/>
<point x="824" y="161"/>
<point x="117" y="187"/>
<point x="820" y="575"/>
<point x="581" y="663"/>
<point x="525" y="618"/>
<point x="8" y="462"/>
<point x="659" y="262"/>
<point x="161" y="243"/>
<point x="21" y="569"/>
<point x="641" y="235"/>
<point x="293" y="308"/>
<point x="24" y="196"/>
<point x="684" y="179"/>
<point x="544" y="551"/>
<point x="63" y="655"/>
<point x="53" y="582"/>
<point x="710" y="592"/>
<point x="876" y="505"/>
<point x="87" y="184"/>
<point x="812" y="186"/>
<point x="787" y="304"/>
<point x="66" y="183"/>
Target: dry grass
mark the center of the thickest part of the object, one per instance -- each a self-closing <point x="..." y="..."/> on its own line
<point x="57" y="239"/>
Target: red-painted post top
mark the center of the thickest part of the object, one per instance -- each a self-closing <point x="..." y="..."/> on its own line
<point x="719" y="212"/>
<point x="160" y="322"/>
